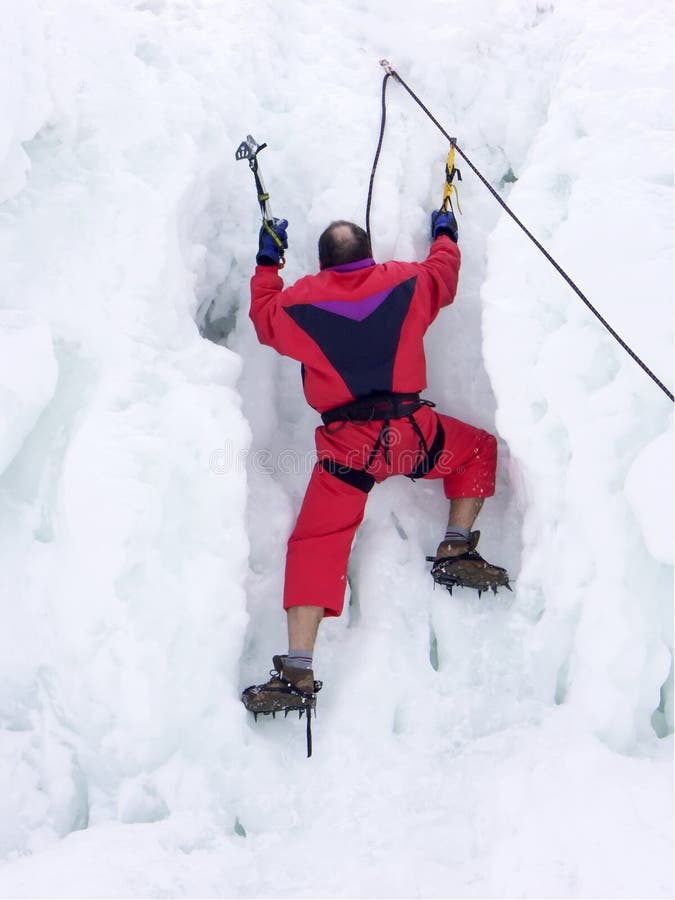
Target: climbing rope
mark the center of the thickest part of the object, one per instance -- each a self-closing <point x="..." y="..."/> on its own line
<point x="383" y="120"/>
<point x="390" y="73"/>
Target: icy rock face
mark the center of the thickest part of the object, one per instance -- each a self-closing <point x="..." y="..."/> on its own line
<point x="648" y="482"/>
<point x="581" y="419"/>
<point x="24" y="101"/>
<point x="28" y="373"/>
<point x="122" y="547"/>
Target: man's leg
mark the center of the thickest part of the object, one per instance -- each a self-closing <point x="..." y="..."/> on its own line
<point x="463" y="513"/>
<point x="293" y="672"/>
<point x="467" y="465"/>
<point x="303" y="625"/>
<point x="316" y="565"/>
<point x="319" y="547"/>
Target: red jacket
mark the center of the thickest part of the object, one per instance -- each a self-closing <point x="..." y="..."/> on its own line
<point x="357" y="328"/>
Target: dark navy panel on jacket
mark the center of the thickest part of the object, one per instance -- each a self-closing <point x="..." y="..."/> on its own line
<point x="359" y="338"/>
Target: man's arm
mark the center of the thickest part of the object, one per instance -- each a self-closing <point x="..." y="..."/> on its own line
<point x="266" y="308"/>
<point x="272" y="325"/>
<point x="441" y="271"/>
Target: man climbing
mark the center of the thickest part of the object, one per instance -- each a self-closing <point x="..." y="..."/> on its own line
<point x="357" y="328"/>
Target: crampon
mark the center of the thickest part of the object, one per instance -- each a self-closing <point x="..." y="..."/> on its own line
<point x="288" y="690"/>
<point x="468" y="569"/>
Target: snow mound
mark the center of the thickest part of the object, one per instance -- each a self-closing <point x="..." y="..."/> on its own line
<point x="28" y="372"/>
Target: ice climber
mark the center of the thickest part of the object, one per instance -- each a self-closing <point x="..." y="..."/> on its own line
<point x="357" y="328"/>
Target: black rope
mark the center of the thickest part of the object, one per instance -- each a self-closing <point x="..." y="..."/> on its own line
<point x="515" y="218"/>
<point x="377" y="153"/>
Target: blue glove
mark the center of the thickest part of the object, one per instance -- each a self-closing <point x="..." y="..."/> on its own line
<point x="272" y="241"/>
<point x="443" y="222"/>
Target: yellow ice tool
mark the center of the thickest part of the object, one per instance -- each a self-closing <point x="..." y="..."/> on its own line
<point x="449" y="187"/>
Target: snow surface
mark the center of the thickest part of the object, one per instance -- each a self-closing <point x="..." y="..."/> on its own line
<point x="516" y="746"/>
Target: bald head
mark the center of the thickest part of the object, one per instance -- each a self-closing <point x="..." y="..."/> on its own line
<point x="341" y="243"/>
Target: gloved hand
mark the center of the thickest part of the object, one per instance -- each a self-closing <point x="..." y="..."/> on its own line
<point x="443" y="223"/>
<point x="271" y="251"/>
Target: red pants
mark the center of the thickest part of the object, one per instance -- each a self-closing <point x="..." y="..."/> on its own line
<point x="319" y="547"/>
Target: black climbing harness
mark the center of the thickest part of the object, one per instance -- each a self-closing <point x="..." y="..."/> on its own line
<point x="249" y="150"/>
<point x="449" y="187"/>
<point x="375" y="408"/>
<point x="382" y="407"/>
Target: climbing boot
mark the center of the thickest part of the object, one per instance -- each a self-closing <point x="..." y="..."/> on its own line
<point x="458" y="564"/>
<point x="288" y="689"/>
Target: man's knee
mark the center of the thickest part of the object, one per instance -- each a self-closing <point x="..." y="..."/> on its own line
<point x="488" y="449"/>
<point x="474" y="475"/>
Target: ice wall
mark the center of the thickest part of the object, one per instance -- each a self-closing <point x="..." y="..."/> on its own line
<point x="123" y="554"/>
<point x="151" y="477"/>
<point x="591" y="435"/>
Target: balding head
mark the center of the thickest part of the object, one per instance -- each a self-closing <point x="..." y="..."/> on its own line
<point x="341" y="243"/>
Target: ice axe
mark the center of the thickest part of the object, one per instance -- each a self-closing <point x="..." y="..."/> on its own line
<point x="249" y="150"/>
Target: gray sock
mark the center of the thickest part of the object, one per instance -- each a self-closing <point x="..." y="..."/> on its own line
<point x="455" y="533"/>
<point x="299" y="659"/>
